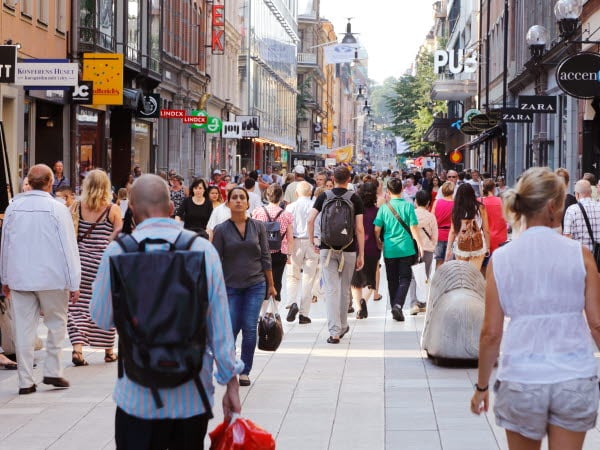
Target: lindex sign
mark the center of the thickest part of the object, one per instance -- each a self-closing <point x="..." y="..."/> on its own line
<point x="579" y="75"/>
<point x="209" y="124"/>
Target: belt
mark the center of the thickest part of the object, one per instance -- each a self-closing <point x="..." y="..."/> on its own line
<point x="296" y="237"/>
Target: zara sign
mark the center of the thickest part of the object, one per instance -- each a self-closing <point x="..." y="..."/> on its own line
<point x="579" y="75"/>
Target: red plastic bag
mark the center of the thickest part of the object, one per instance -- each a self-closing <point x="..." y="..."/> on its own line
<point x="240" y="434"/>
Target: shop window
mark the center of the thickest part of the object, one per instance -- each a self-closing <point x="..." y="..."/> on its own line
<point x="61" y="16"/>
<point x="42" y="12"/>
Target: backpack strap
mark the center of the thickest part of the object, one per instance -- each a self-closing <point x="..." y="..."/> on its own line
<point x="587" y="223"/>
<point x="268" y="216"/>
<point x="127" y="243"/>
<point x="185" y="240"/>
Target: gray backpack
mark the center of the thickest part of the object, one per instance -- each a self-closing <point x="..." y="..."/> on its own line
<point x="337" y="221"/>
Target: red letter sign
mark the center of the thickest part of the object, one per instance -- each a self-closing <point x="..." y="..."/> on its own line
<point x="218" y="29"/>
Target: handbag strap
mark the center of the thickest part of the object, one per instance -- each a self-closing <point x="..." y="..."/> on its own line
<point x="587" y="223"/>
<point x="93" y="227"/>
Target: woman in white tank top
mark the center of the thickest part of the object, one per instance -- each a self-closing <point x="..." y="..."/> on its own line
<point x="548" y="286"/>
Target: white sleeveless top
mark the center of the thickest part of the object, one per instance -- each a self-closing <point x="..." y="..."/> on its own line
<point x="541" y="282"/>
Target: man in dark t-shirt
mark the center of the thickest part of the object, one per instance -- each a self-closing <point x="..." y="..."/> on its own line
<point x="338" y="265"/>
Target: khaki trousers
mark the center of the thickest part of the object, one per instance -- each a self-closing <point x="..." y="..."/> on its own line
<point x="303" y="268"/>
<point x="26" y="307"/>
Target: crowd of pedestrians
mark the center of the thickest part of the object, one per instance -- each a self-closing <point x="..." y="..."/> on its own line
<point x="324" y="236"/>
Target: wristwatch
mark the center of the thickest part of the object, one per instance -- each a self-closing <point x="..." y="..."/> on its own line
<point x="481" y="389"/>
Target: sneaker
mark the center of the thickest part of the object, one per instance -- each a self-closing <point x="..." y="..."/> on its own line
<point x="363" y="309"/>
<point x="292" y="313"/>
<point x="422" y="307"/>
<point x="303" y="319"/>
<point x="397" y="313"/>
<point x="414" y="309"/>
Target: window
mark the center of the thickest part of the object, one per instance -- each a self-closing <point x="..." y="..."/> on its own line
<point x="61" y="19"/>
<point x="11" y="4"/>
<point x="26" y="7"/>
<point x="42" y="12"/>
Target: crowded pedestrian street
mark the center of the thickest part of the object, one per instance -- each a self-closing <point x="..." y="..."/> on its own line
<point x="376" y="390"/>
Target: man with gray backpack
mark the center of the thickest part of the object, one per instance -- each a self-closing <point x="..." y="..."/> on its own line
<point x="163" y="289"/>
<point x="341" y="248"/>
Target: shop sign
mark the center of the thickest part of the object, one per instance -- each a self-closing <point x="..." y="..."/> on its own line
<point x="106" y="71"/>
<point x="231" y="130"/>
<point x="468" y="129"/>
<point x="172" y="113"/>
<point x="218" y="29"/>
<point x="457" y="61"/>
<point x="579" y="75"/>
<point x="250" y="126"/>
<point x="214" y="125"/>
<point x="8" y="62"/>
<point x="483" y="121"/>
<point x="83" y="93"/>
<point x="46" y="73"/>
<point x="516" y="115"/>
<point x="544" y="104"/>
<point x="150" y="107"/>
<point x="317" y="127"/>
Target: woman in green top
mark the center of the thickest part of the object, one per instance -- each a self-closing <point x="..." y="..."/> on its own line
<point x="399" y="223"/>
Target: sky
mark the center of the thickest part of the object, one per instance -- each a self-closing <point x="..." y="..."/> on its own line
<point x="391" y="30"/>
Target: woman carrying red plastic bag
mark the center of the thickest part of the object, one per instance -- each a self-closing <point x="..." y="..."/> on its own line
<point x="240" y="434"/>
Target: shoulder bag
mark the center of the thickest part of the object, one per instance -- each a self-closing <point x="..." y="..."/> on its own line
<point x="595" y="245"/>
<point x="93" y="227"/>
<point x="406" y="227"/>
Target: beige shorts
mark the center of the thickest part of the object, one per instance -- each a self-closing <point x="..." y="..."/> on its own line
<point x="528" y="409"/>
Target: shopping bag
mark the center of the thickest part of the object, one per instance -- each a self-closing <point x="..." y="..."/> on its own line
<point x="270" y="328"/>
<point x="240" y="434"/>
<point x="421" y="281"/>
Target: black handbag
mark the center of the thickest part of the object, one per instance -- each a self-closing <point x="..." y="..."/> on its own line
<point x="595" y="245"/>
<point x="270" y="329"/>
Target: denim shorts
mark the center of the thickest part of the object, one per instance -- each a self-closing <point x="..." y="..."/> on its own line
<point x="440" y="250"/>
<point x="528" y="409"/>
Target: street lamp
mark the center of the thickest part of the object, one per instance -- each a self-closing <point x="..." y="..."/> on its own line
<point x="349" y="36"/>
<point x="537" y="37"/>
<point x="567" y="13"/>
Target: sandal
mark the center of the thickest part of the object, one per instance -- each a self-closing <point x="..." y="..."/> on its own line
<point x="110" y="357"/>
<point x="378" y="298"/>
<point x="77" y="359"/>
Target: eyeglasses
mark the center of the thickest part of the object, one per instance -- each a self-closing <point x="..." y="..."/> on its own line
<point x="452" y="176"/>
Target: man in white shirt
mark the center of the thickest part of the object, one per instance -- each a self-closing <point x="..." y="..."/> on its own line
<point x="254" y="200"/>
<point x="304" y="259"/>
<point x="290" y="192"/>
<point x="41" y="271"/>
<point x="575" y="225"/>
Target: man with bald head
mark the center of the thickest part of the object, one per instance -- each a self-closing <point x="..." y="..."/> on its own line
<point x="41" y="271"/>
<point x="179" y="424"/>
<point x="575" y="225"/>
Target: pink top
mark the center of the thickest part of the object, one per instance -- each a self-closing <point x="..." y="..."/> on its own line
<point x="443" y="215"/>
<point x="496" y="222"/>
<point x="285" y="219"/>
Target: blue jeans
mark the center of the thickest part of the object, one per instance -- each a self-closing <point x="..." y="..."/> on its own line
<point x="399" y="274"/>
<point x="244" y="308"/>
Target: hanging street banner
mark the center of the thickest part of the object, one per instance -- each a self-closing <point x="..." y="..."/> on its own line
<point x="214" y="125"/>
<point x="83" y="93"/>
<point x="8" y="63"/>
<point x="250" y="126"/>
<point x="106" y="71"/>
<point x="516" y="115"/>
<point x="149" y="107"/>
<point x="340" y="53"/>
<point x="543" y="104"/>
<point x="46" y="72"/>
<point x="579" y="75"/>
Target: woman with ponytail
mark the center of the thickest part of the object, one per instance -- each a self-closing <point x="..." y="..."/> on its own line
<point x="548" y="286"/>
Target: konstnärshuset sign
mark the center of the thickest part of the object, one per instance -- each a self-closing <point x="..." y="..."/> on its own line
<point x="579" y="75"/>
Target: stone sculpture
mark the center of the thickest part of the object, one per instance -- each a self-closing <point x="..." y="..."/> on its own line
<point x="454" y="314"/>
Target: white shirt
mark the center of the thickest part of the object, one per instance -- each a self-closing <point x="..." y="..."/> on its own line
<point x="219" y="215"/>
<point x="39" y="249"/>
<point x="254" y="201"/>
<point x="300" y="210"/>
<point x="541" y="283"/>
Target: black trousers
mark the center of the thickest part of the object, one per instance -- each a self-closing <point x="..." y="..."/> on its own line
<point x="399" y="274"/>
<point x="278" y="261"/>
<point x="133" y="433"/>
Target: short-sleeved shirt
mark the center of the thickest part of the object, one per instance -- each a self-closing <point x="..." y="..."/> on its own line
<point x="359" y="210"/>
<point x="397" y="242"/>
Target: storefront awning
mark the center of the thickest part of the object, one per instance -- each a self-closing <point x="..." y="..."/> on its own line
<point x="132" y="98"/>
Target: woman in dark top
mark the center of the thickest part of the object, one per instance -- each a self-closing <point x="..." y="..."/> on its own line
<point x="365" y="278"/>
<point x="195" y="210"/>
<point x="244" y="249"/>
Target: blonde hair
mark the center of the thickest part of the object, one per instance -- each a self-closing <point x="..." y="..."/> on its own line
<point x="96" y="190"/>
<point x="447" y="188"/>
<point x="537" y="187"/>
<point x="122" y="194"/>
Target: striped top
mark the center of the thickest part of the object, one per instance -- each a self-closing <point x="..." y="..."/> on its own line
<point x="183" y="401"/>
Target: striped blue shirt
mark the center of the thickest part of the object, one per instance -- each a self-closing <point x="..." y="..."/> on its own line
<point x="183" y="401"/>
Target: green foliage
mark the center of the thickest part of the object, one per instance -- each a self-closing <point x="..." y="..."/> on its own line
<point x="411" y="105"/>
<point x="303" y="98"/>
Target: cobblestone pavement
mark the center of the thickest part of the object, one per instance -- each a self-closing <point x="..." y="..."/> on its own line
<point x="375" y="390"/>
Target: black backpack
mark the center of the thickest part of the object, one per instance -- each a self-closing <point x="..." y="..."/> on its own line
<point x="337" y="220"/>
<point x="160" y="301"/>
<point x="274" y="235"/>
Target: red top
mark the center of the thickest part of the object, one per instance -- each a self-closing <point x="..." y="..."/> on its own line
<point x="443" y="215"/>
<point x="496" y="222"/>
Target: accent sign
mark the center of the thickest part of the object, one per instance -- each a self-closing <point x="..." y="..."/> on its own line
<point x="579" y="75"/>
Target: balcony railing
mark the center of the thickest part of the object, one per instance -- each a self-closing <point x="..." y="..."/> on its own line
<point x="307" y="59"/>
<point x="94" y="37"/>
